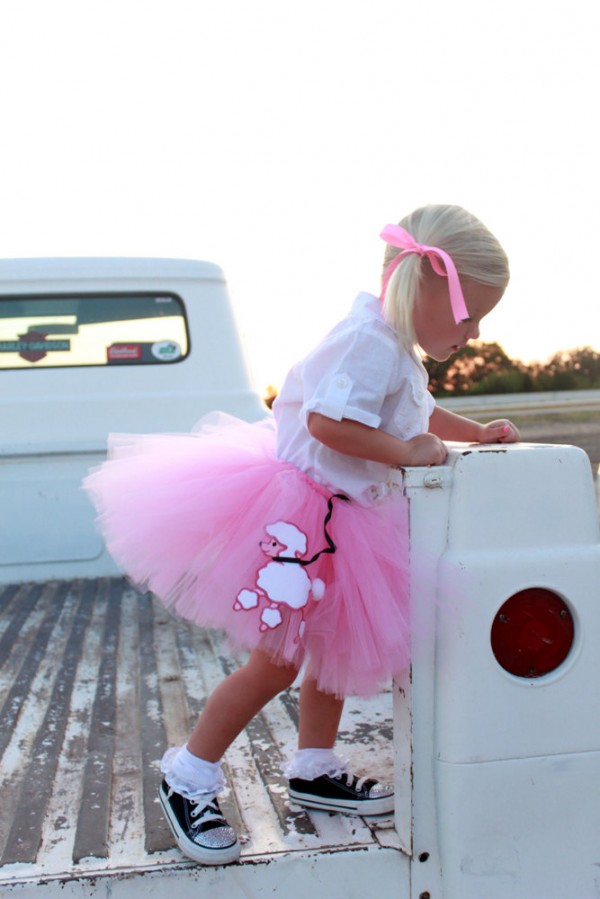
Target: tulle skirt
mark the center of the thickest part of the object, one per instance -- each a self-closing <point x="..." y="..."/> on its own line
<point x="230" y="537"/>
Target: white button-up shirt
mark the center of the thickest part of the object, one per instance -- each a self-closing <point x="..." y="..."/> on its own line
<point x="359" y="371"/>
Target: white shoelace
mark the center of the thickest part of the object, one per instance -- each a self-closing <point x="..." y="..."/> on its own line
<point x="350" y="778"/>
<point x="209" y="812"/>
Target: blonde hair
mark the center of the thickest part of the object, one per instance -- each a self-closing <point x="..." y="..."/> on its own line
<point x="474" y="250"/>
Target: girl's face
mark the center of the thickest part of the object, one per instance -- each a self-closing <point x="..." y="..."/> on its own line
<point x="437" y="333"/>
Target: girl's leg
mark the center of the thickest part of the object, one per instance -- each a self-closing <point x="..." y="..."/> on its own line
<point x="235" y="702"/>
<point x="318" y="778"/>
<point x="320" y="715"/>
<point x="193" y="774"/>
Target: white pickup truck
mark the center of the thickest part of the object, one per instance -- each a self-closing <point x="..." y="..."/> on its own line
<point x="90" y="346"/>
<point x="493" y="741"/>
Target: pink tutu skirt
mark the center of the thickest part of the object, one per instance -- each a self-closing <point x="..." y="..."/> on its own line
<point x="230" y="537"/>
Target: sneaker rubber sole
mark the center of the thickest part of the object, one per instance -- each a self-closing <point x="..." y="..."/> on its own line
<point x="381" y="805"/>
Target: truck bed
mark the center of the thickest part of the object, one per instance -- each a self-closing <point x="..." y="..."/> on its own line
<point x="96" y="680"/>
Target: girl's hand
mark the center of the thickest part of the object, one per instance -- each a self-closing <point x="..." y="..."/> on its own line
<point x="425" y="449"/>
<point x="500" y="431"/>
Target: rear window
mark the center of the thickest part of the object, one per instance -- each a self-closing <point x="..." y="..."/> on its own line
<point x="98" y="329"/>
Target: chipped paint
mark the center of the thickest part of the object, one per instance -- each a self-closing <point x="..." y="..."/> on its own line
<point x="158" y="671"/>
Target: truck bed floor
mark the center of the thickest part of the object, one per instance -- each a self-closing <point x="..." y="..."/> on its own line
<point x="96" y="680"/>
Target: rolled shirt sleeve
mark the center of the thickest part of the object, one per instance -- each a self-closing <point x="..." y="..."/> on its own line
<point x="359" y="372"/>
<point x="332" y="391"/>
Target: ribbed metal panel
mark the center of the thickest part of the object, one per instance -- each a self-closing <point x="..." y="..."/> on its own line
<point x="95" y="682"/>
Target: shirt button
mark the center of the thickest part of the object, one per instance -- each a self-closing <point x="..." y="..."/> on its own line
<point x="341" y="381"/>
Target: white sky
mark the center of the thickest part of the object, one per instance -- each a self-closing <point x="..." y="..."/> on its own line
<point x="277" y="138"/>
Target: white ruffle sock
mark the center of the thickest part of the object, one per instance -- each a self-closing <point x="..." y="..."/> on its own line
<point x="309" y="764"/>
<point x="190" y="776"/>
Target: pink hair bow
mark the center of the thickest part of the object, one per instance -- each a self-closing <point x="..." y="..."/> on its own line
<point x="441" y="263"/>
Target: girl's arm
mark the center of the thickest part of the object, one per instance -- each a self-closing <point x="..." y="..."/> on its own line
<point x="449" y="426"/>
<point x="355" y="439"/>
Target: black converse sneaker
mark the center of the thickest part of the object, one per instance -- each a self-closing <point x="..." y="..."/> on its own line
<point x="201" y="831"/>
<point x="345" y="793"/>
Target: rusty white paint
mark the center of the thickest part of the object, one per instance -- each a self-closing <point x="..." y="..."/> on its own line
<point x="18" y="752"/>
<point x="342" y="874"/>
<point x="61" y="817"/>
<point x="197" y="672"/>
<point x="11" y="665"/>
<point x="127" y="833"/>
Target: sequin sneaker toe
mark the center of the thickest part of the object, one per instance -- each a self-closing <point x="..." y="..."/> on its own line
<point x="346" y="793"/>
<point x="201" y="831"/>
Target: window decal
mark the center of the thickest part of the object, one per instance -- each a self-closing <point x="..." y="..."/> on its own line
<point x="92" y="330"/>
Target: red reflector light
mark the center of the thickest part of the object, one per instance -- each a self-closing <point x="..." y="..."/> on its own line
<point x="532" y="633"/>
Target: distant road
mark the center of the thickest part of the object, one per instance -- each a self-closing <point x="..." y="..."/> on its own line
<point x="566" y="416"/>
<point x="530" y="403"/>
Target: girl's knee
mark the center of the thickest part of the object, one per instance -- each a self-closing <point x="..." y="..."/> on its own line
<point x="279" y="677"/>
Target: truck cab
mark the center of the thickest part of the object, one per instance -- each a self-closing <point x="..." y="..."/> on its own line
<point x="89" y="347"/>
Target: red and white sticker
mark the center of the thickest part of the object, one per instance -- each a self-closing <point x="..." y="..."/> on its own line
<point x="120" y="352"/>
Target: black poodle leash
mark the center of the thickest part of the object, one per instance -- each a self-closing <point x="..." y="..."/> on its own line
<point x="330" y="548"/>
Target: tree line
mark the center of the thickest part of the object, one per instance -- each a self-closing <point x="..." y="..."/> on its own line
<point x="485" y="368"/>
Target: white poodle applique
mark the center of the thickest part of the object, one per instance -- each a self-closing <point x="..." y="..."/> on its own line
<point x="283" y="581"/>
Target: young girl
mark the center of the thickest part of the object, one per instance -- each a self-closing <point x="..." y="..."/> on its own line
<point x="289" y="537"/>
